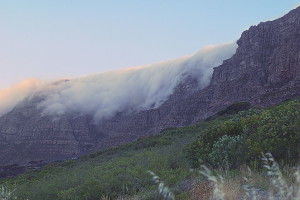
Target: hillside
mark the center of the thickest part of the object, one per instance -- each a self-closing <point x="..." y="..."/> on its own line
<point x="122" y="171"/>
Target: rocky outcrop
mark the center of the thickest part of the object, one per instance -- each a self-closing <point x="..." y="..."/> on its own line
<point x="265" y="70"/>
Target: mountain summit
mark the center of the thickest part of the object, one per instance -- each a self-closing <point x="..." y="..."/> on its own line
<point x="264" y="70"/>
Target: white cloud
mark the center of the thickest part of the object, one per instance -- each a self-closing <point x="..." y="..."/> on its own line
<point x="134" y="89"/>
<point x="10" y="97"/>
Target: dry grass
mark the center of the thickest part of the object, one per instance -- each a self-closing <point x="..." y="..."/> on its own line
<point x="103" y="197"/>
<point x="120" y="198"/>
<point x="275" y="185"/>
<point x="202" y="190"/>
<point x="232" y="189"/>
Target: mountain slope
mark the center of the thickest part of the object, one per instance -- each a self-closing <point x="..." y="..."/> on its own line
<point x="264" y="70"/>
<point x="171" y="155"/>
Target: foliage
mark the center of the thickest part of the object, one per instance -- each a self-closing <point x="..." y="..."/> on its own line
<point x="276" y="129"/>
<point x="112" y="173"/>
<point x="227" y="152"/>
<point x="199" y="150"/>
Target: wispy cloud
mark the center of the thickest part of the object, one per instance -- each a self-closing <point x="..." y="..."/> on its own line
<point x="127" y="90"/>
<point x="10" y="97"/>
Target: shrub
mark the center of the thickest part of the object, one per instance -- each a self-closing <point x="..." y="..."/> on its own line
<point x="227" y="152"/>
<point x="199" y="150"/>
<point x="276" y="129"/>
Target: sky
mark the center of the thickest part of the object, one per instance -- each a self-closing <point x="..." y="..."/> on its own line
<point x="68" y="38"/>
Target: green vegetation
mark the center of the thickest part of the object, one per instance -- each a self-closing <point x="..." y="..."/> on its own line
<point x="227" y="142"/>
<point x="121" y="171"/>
<point x="242" y="138"/>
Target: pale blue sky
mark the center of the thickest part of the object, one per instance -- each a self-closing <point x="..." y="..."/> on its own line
<point x="62" y="38"/>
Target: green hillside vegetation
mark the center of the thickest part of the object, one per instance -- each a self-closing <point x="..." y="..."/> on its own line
<point x="226" y="143"/>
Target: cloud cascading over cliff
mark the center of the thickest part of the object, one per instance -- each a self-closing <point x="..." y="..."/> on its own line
<point x="10" y="97"/>
<point x="126" y="90"/>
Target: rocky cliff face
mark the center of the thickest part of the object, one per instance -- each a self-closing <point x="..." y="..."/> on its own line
<point x="264" y="70"/>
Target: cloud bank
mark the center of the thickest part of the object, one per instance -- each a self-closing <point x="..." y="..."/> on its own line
<point x="126" y="90"/>
<point x="10" y="97"/>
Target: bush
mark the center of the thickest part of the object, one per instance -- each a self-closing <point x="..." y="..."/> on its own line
<point x="227" y="152"/>
<point x="199" y="150"/>
<point x="276" y="129"/>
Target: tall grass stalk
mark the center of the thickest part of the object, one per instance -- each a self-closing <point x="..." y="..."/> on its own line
<point x="217" y="181"/>
<point x="6" y="194"/>
<point x="279" y="188"/>
<point x="163" y="190"/>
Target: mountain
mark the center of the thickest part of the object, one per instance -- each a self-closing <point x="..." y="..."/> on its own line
<point x="171" y="155"/>
<point x="264" y="70"/>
